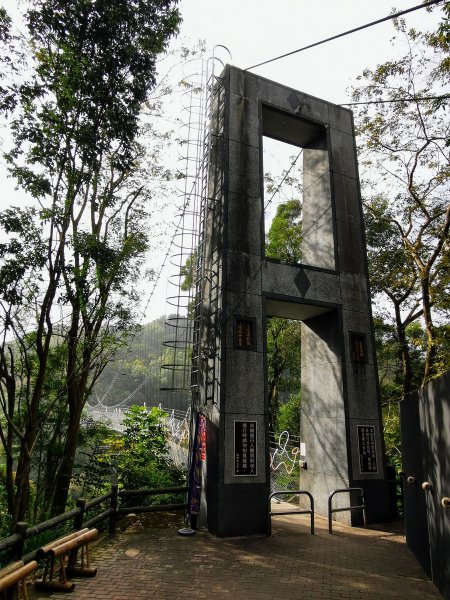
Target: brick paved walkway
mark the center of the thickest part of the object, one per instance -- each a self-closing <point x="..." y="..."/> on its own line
<point x="353" y="564"/>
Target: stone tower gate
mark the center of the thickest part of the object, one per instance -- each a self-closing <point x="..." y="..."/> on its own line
<point x="328" y="292"/>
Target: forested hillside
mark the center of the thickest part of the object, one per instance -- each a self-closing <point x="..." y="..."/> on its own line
<point x="135" y="375"/>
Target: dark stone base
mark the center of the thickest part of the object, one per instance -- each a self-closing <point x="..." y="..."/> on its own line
<point x="377" y="499"/>
<point x="241" y="509"/>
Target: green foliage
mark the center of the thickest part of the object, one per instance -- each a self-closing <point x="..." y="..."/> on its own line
<point x="405" y="152"/>
<point x="5" y="517"/>
<point x="289" y="412"/>
<point x="188" y="271"/>
<point x="142" y="453"/>
<point x="283" y="364"/>
<point x="137" y="369"/>
<point x="71" y="262"/>
<point x="140" y="457"/>
<point x="285" y="235"/>
<point x="391" y="376"/>
<point x="144" y="435"/>
<point x="283" y="242"/>
<point x="92" y="471"/>
<point x="392" y="438"/>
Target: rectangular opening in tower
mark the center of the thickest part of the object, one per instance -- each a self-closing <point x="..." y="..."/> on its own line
<point x="298" y="208"/>
<point x="283" y="342"/>
<point x="283" y="200"/>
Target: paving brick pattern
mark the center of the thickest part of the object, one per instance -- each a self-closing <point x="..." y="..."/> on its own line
<point x="354" y="564"/>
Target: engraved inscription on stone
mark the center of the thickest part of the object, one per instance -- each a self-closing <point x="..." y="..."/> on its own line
<point x="367" y="449"/>
<point x="358" y="348"/>
<point x="244" y="334"/>
<point x="245" y="448"/>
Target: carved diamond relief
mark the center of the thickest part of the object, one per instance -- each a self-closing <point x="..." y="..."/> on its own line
<point x="302" y="282"/>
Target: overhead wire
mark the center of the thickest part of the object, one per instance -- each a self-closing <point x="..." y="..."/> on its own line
<point x="339" y="35"/>
<point x="397" y="100"/>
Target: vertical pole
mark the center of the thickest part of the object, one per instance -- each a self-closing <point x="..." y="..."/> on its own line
<point x="79" y="518"/>
<point x="330" y="525"/>
<point x="21" y="529"/>
<point x="113" y="517"/>
<point x="363" y="502"/>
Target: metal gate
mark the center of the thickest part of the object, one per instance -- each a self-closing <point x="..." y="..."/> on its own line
<point x="425" y="425"/>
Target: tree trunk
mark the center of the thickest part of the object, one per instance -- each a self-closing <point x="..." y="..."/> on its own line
<point x="430" y="357"/>
<point x="77" y="375"/>
<point x="404" y="354"/>
<point x="22" y="481"/>
<point x="52" y="463"/>
<point x="64" y="474"/>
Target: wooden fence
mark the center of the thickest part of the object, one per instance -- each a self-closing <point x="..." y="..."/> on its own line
<point x="25" y="541"/>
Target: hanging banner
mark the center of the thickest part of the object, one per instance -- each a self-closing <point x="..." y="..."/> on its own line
<point x="202" y="434"/>
<point x="198" y="456"/>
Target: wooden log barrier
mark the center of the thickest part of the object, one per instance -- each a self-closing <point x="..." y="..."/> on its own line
<point x="42" y="552"/>
<point x="63" y="552"/>
<point x="16" y="575"/>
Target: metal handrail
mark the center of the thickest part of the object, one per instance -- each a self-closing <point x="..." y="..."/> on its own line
<point x="309" y="511"/>
<point x="361" y="506"/>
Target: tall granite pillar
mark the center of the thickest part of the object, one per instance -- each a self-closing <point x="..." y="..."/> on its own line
<point x="328" y="292"/>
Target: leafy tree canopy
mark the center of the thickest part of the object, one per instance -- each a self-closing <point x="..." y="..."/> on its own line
<point x="71" y="261"/>
<point x="404" y="152"/>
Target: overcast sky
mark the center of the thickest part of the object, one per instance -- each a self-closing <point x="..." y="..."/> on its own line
<point x="257" y="30"/>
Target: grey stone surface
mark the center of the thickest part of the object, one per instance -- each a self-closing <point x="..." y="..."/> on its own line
<point x="362" y="396"/>
<point x="341" y="119"/>
<point x="298" y="310"/>
<point x="358" y="322"/>
<point x="243" y="125"/>
<point x="228" y="449"/>
<point x="281" y="279"/>
<point x="347" y="200"/>
<point x="322" y="396"/>
<point x="318" y="248"/>
<point x="354" y="292"/>
<point x="244" y="172"/>
<point x="244" y="382"/>
<point x="244" y="224"/>
<point x="325" y="445"/>
<point x="343" y="156"/>
<point x="217" y="168"/>
<point x="289" y="128"/>
<point x="243" y="84"/>
<point x="243" y="273"/>
<point x="317" y="209"/>
<point x="350" y="248"/>
<point x="329" y="294"/>
<point x="316" y="161"/>
<point x="322" y="340"/>
<point x="247" y="305"/>
<point x="278" y="95"/>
